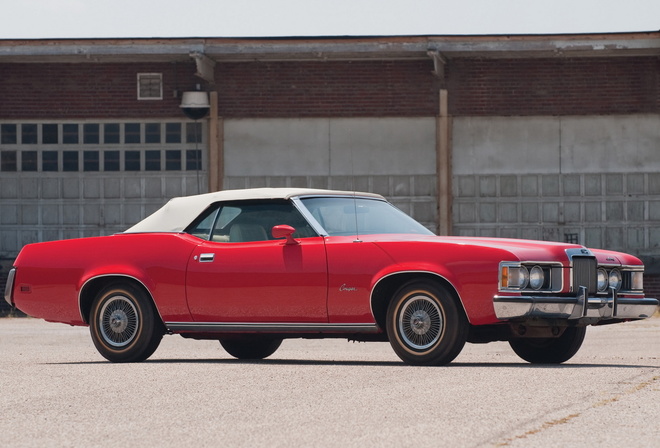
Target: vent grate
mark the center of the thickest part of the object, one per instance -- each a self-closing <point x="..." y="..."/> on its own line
<point x="584" y="273"/>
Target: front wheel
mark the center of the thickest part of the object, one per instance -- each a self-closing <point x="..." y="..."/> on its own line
<point x="124" y="325"/>
<point x="425" y="325"/>
<point x="251" y="347"/>
<point x="550" y="350"/>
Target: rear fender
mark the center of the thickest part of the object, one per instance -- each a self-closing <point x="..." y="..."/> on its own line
<point x="93" y="285"/>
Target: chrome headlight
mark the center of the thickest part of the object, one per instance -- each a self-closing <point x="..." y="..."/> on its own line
<point x="615" y="279"/>
<point x="514" y="277"/>
<point x="536" y="278"/>
<point x="602" y="280"/>
<point x="530" y="276"/>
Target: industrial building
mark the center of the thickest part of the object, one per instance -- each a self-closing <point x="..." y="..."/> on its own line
<point x="551" y="137"/>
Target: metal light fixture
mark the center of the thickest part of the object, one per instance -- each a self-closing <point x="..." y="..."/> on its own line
<point x="195" y="105"/>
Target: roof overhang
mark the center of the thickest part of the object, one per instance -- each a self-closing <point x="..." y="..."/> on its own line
<point x="323" y="48"/>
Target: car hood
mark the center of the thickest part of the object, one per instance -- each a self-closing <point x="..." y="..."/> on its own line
<point x="531" y="250"/>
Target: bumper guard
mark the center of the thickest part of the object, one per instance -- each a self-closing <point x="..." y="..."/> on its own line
<point x="10" y="286"/>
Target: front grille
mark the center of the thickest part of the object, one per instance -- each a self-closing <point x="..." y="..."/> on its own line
<point x="584" y="273"/>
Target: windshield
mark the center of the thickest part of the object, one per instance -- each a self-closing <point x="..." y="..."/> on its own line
<point x="361" y="216"/>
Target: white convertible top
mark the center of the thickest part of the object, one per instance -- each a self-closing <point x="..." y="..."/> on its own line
<point x="178" y="213"/>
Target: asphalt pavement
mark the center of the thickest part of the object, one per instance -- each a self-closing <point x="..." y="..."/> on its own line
<point x="56" y="390"/>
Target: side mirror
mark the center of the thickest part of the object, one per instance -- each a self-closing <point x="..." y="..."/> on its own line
<point x="284" y="231"/>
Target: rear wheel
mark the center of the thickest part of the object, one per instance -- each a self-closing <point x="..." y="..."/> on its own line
<point x="124" y="324"/>
<point x="425" y="325"/>
<point x="251" y="347"/>
<point x="550" y="350"/>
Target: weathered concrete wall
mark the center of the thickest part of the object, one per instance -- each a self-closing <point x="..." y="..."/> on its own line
<point x="79" y="200"/>
<point x="329" y="146"/>
<point x="544" y="145"/>
<point x="593" y="180"/>
<point x="391" y="156"/>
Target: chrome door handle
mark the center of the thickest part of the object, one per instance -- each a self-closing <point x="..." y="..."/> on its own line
<point x="206" y="258"/>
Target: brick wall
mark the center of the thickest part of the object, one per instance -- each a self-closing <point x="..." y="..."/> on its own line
<point x="327" y="89"/>
<point x="66" y="91"/>
<point x="478" y="87"/>
<point x="652" y="285"/>
<point x="252" y="89"/>
<point x="562" y="86"/>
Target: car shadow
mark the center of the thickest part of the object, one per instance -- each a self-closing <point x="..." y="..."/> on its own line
<point x="304" y="362"/>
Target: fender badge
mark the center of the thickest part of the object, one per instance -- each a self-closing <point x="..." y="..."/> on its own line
<point x="345" y="288"/>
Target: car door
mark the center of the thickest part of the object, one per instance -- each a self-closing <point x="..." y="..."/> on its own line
<point x="242" y="274"/>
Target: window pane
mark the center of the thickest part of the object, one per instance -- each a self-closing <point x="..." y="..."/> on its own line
<point x="132" y="133"/>
<point x="90" y="160"/>
<point x="29" y="161"/>
<point x="8" y="132"/>
<point x="172" y="160"/>
<point x="29" y="134"/>
<point x="70" y="134"/>
<point x="70" y="161"/>
<point x="193" y="132"/>
<point x="91" y="134"/>
<point x="132" y="161"/>
<point x="49" y="161"/>
<point x="111" y="160"/>
<point x="152" y="133"/>
<point x="150" y="86"/>
<point x="49" y="134"/>
<point x="8" y="161"/>
<point x="152" y="160"/>
<point x="111" y="133"/>
<point x="173" y="133"/>
<point x="193" y="159"/>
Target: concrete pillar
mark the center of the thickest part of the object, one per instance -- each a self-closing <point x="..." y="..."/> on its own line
<point x="216" y="145"/>
<point x="443" y="166"/>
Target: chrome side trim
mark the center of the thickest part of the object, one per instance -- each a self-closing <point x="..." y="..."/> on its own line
<point x="602" y="308"/>
<point x="9" y="287"/>
<point x="268" y="327"/>
<point x="318" y="228"/>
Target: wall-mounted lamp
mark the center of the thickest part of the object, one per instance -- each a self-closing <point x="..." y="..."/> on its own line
<point x="195" y="105"/>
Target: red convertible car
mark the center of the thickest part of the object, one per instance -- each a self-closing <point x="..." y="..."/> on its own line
<point x="253" y="267"/>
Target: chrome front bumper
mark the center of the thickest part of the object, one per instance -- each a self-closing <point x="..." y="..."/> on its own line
<point x="581" y="306"/>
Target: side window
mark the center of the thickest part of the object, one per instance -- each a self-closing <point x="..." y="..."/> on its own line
<point x="222" y="226"/>
<point x="249" y="221"/>
<point x="202" y="228"/>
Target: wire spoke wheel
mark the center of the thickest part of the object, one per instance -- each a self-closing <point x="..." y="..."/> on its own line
<point x="118" y="321"/>
<point x="420" y="322"/>
<point x="425" y="325"/>
<point x="124" y="324"/>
